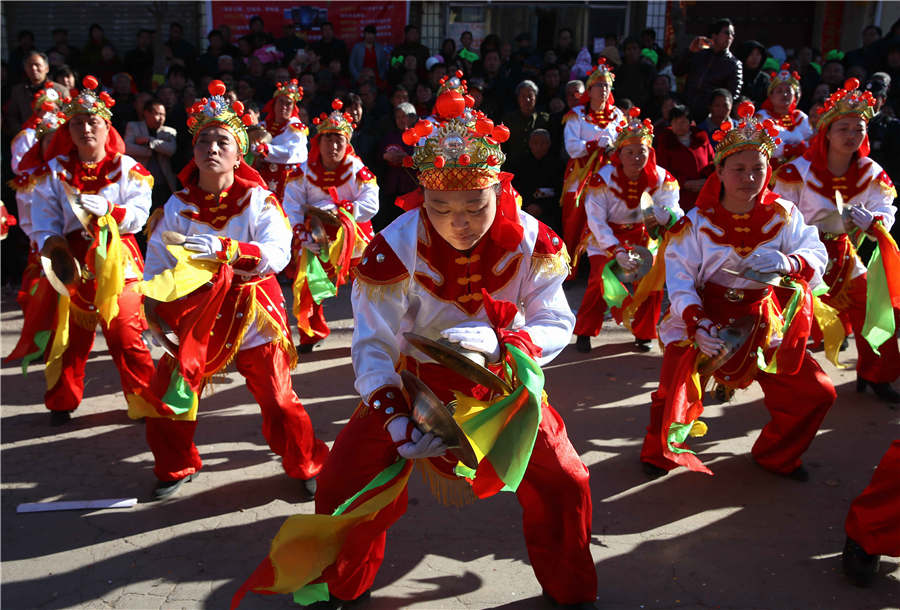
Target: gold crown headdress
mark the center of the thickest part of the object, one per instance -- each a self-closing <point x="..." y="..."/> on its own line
<point x="748" y="133"/>
<point x="47" y="93"/>
<point x="460" y="154"/>
<point x="634" y="128"/>
<point x="785" y="75"/>
<point x="291" y="89"/>
<point x="49" y="119"/>
<point x="88" y="101"/>
<point x="215" y="111"/>
<point x="846" y="102"/>
<point x="336" y="122"/>
<point x="601" y="70"/>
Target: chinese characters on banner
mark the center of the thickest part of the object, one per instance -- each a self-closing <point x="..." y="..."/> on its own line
<point x="348" y="18"/>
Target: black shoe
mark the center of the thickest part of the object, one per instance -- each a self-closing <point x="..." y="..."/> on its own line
<point x="653" y="471"/>
<point x="309" y="488"/>
<point x="60" y="418"/>
<point x="844" y="345"/>
<point x="164" y="489"/>
<point x="305" y="348"/>
<point x="883" y="391"/>
<point x="335" y="603"/>
<point x="860" y="567"/>
<point x="583" y="344"/>
<point x="642" y="345"/>
<point x="723" y="393"/>
<point x="575" y="606"/>
<point x="800" y="473"/>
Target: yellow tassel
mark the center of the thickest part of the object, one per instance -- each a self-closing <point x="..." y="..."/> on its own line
<point x="378" y="292"/>
<point x="449" y="491"/>
<point x="554" y="264"/>
<point x="87" y="320"/>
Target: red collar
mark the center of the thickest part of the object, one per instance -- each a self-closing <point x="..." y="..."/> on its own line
<point x="216" y="211"/>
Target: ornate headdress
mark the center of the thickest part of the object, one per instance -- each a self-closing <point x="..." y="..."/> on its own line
<point x="49" y="119"/>
<point x="336" y="122"/>
<point x="633" y="128"/>
<point x="848" y="101"/>
<point x="601" y="70"/>
<point x="291" y="89"/>
<point x="460" y="154"/>
<point x="47" y="93"/>
<point x="215" y="111"/>
<point x="748" y="133"/>
<point x="785" y="75"/>
<point x="88" y="101"/>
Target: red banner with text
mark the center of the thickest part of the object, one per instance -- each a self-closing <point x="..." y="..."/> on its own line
<point x="305" y="18"/>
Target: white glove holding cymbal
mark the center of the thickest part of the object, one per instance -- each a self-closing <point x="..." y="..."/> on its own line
<point x="477" y="337"/>
<point x="98" y="205"/>
<point x="625" y="261"/>
<point x="772" y="261"/>
<point x="707" y="338"/>
<point x="861" y="217"/>
<point x="206" y="247"/>
<point x="417" y="445"/>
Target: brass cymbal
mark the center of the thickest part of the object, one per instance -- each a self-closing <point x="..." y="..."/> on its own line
<point x="74" y="199"/>
<point x="734" y="336"/>
<point x="325" y="216"/>
<point x="61" y="269"/>
<point x="431" y="415"/>
<point x="453" y="359"/>
<point x="317" y="232"/>
<point x="645" y="261"/>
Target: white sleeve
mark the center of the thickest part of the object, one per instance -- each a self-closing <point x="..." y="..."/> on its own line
<point x="789" y="190"/>
<point x="21" y="144"/>
<point x="683" y="259"/>
<point x="295" y="199"/>
<point x="271" y="233"/>
<point x="665" y="200"/>
<point x="880" y="199"/>
<point x="548" y="319"/>
<point x="366" y="205"/>
<point x="47" y="217"/>
<point x="135" y="196"/>
<point x="158" y="258"/>
<point x="595" y="207"/>
<point x="575" y="146"/>
<point x="376" y="328"/>
<point x="287" y="147"/>
<point x="802" y="240"/>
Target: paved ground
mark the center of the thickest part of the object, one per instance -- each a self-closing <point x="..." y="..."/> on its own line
<point x="740" y="539"/>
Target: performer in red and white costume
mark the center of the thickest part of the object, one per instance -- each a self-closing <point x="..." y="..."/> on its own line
<point x="873" y="523"/>
<point x="443" y="269"/>
<point x="228" y="216"/>
<point x="45" y="100"/>
<point x="616" y="224"/>
<point x="36" y="296"/>
<point x="281" y="158"/>
<point x="838" y="161"/>
<point x="739" y="226"/>
<point x="794" y="128"/>
<point x="87" y="163"/>
<point x="589" y="131"/>
<point x="335" y="180"/>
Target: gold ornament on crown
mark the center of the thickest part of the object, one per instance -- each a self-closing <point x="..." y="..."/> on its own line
<point x="291" y="89"/>
<point x="601" y="71"/>
<point x="89" y="101"/>
<point x="216" y="111"/>
<point x="336" y="122"/>
<point x="633" y="128"/>
<point x="747" y="133"/>
<point x="785" y="75"/>
<point x="848" y="101"/>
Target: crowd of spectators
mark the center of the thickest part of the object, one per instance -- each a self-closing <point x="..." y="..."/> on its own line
<point x="530" y="89"/>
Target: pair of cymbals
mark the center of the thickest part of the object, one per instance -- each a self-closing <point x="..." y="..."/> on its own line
<point x="734" y="336"/>
<point x="644" y="262"/>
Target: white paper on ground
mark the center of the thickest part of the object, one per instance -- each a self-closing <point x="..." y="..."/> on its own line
<point x="39" y="507"/>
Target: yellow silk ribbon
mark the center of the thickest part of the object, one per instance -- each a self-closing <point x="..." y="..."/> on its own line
<point x="181" y="280"/>
<point x="110" y="268"/>
<point x="60" y="342"/>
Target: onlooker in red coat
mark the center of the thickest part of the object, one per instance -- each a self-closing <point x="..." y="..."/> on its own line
<point x="686" y="152"/>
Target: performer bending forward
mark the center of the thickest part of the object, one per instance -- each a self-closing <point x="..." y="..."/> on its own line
<point x="228" y="217"/>
<point x="467" y="266"/>
<point x="739" y="226"/>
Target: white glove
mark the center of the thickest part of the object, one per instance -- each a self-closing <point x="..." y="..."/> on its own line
<point x="707" y="338"/>
<point x="97" y="205"/>
<point x="626" y="262"/>
<point x="420" y="445"/>
<point x="769" y="261"/>
<point x="604" y="141"/>
<point x="475" y="336"/>
<point x="661" y="214"/>
<point x="206" y="247"/>
<point x="861" y="217"/>
<point x="307" y="242"/>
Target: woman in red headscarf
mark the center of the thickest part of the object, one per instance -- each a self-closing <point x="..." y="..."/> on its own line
<point x="226" y="221"/>
<point x="281" y="157"/>
<point x="722" y="314"/>
<point x="619" y="221"/>
<point x="87" y="206"/>
<point x="847" y="196"/>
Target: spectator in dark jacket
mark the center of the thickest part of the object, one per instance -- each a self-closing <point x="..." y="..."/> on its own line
<point x="686" y="152"/>
<point x="709" y="64"/>
<point x="756" y="80"/>
<point x="719" y="110"/>
<point x="525" y="119"/>
<point x="634" y="78"/>
<point x="538" y="178"/>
